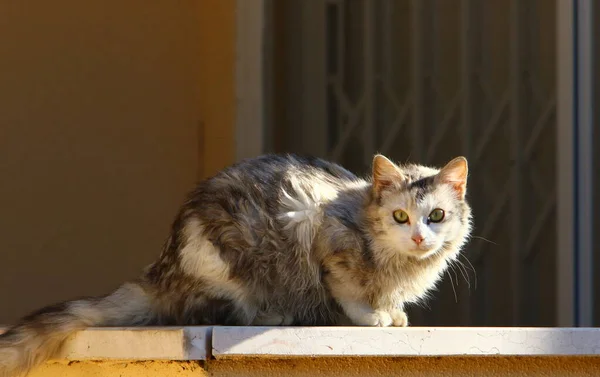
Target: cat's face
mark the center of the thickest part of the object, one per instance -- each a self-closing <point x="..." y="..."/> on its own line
<point x="418" y="211"/>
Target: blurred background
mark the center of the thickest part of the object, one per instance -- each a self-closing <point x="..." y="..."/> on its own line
<point x="110" y="112"/>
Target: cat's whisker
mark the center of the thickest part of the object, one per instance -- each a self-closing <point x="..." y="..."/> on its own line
<point x="463" y="272"/>
<point x="468" y="276"/>
<point x="485" y="239"/>
<point x="472" y="268"/>
<point x="453" y="289"/>
<point x="455" y="274"/>
<point x="423" y="303"/>
<point x="451" y="267"/>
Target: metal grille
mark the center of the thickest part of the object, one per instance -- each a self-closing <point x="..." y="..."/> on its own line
<point x="425" y="81"/>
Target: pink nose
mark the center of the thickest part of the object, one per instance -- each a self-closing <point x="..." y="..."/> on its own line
<point x="417" y="239"/>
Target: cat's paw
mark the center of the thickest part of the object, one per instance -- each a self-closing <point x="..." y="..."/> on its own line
<point x="399" y="318"/>
<point x="378" y="318"/>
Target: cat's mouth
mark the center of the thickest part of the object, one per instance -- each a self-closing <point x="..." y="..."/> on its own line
<point x="422" y="252"/>
<point x="423" y="248"/>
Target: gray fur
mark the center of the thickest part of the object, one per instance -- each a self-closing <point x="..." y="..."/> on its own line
<point x="278" y="240"/>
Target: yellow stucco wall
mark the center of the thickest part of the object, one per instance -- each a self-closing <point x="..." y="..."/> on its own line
<point x="110" y="112"/>
<point x="338" y="367"/>
<point x="217" y="31"/>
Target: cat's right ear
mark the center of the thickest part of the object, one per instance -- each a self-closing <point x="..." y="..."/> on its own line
<point x="455" y="174"/>
<point x="385" y="173"/>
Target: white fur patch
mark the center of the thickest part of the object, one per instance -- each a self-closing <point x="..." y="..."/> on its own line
<point x="201" y="259"/>
<point x="301" y="208"/>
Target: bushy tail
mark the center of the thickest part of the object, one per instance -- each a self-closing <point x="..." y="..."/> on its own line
<point x="38" y="336"/>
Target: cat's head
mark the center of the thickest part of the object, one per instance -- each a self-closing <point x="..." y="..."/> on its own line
<point x="417" y="210"/>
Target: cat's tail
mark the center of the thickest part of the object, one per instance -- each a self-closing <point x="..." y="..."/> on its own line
<point x="38" y="336"/>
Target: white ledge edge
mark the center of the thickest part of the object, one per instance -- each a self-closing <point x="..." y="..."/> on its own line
<point x="411" y="341"/>
<point x="204" y="342"/>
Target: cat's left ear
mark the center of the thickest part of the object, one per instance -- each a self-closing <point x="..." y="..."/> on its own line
<point x="455" y="174"/>
<point x="385" y="173"/>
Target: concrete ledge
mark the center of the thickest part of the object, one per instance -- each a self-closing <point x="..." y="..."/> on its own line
<point x="160" y="343"/>
<point x="200" y="343"/>
<point x="412" y="341"/>
<point x="138" y="343"/>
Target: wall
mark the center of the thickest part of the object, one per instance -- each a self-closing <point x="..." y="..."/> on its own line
<point x="217" y="28"/>
<point x="363" y="367"/>
<point x="109" y="112"/>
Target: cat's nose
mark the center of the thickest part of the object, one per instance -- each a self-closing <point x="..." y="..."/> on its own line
<point x="417" y="239"/>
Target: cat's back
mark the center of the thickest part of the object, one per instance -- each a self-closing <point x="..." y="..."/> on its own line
<point x="262" y="180"/>
<point x="251" y="201"/>
<point x="278" y="169"/>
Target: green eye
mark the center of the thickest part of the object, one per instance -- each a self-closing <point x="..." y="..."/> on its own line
<point x="436" y="215"/>
<point x="400" y="216"/>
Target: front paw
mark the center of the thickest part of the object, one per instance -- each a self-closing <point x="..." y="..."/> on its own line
<point x="399" y="318"/>
<point x="378" y="318"/>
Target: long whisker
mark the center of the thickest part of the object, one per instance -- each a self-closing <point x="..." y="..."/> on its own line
<point x="423" y="304"/>
<point x="484" y="239"/>
<point x="463" y="272"/>
<point x="453" y="289"/>
<point x="455" y="274"/>
<point x="472" y="268"/>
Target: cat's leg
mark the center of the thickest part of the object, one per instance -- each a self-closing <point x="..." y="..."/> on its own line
<point x="392" y="305"/>
<point x="353" y="300"/>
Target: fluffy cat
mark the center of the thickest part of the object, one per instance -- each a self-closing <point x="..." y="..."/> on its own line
<point x="280" y="240"/>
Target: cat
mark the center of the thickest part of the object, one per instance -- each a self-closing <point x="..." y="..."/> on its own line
<point x="280" y="240"/>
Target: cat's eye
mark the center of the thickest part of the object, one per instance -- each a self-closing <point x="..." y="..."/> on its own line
<point x="436" y="215"/>
<point x="400" y="216"/>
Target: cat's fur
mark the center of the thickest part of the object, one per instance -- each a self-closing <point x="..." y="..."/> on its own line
<point x="279" y="240"/>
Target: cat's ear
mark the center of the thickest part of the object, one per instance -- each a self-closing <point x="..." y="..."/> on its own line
<point x="455" y="174"/>
<point x="385" y="173"/>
